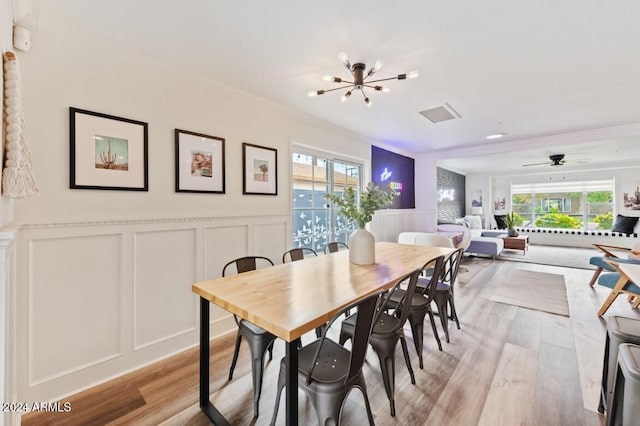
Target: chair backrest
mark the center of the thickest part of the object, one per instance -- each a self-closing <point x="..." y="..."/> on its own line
<point x="366" y="309"/>
<point x="297" y="254"/>
<point x="334" y="247"/>
<point x="401" y="307"/>
<point x="246" y="263"/>
<point x="436" y="265"/>
<point x="452" y="265"/>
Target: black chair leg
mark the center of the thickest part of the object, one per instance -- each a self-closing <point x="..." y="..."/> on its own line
<point x="236" y="351"/>
<point x="386" y="355"/>
<point x="405" y="352"/>
<point x="441" y="303"/>
<point x="435" y="330"/>
<point x="454" y="314"/>
<point x="271" y="351"/>
<point x="416" y="322"/>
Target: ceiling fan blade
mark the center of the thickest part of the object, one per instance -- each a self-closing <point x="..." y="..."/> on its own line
<point x="536" y="164"/>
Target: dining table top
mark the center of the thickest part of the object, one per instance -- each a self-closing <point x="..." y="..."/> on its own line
<point x="291" y="299"/>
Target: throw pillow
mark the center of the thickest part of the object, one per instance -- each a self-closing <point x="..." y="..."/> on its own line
<point x="475" y="222"/>
<point x="625" y="224"/>
<point x="500" y="221"/>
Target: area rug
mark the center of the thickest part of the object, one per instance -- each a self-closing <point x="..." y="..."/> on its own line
<point x="540" y="291"/>
<point x="569" y="257"/>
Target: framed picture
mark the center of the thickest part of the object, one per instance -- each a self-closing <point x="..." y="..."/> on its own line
<point x="259" y="170"/>
<point x="199" y="162"/>
<point x="107" y="152"/>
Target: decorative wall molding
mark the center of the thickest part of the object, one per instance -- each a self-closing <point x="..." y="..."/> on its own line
<point x="153" y="221"/>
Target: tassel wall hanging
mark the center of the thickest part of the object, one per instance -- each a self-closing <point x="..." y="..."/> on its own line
<point x="18" y="180"/>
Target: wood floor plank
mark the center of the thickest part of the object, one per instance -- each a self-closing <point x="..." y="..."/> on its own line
<point x="510" y="400"/>
<point x="558" y="398"/>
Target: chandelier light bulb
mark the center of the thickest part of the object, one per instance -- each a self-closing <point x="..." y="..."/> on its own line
<point x="343" y="57"/>
<point x="413" y="74"/>
<point x="312" y="93"/>
<point x="385" y="90"/>
<point x="378" y="65"/>
<point x="327" y="78"/>
<point x="345" y="96"/>
<point x="368" y="101"/>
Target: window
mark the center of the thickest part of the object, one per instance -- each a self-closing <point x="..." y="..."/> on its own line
<point x="315" y="221"/>
<point x="574" y="205"/>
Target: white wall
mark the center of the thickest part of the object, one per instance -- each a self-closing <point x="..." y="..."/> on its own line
<point x="102" y="278"/>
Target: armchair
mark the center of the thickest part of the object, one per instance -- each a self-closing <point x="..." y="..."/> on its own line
<point x="611" y="252"/>
<point x="620" y="283"/>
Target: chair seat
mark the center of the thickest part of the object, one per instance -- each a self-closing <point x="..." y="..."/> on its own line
<point x="442" y="287"/>
<point x="416" y="301"/>
<point x="610" y="280"/>
<point x="252" y="327"/>
<point x="385" y="324"/>
<point x="600" y="262"/>
<point x="332" y="365"/>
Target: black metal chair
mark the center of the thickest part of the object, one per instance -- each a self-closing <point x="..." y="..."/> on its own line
<point x="421" y="304"/>
<point x="327" y="372"/>
<point x="334" y="247"/>
<point x="297" y="254"/>
<point x="444" y="291"/>
<point x="387" y="331"/>
<point x="258" y="339"/>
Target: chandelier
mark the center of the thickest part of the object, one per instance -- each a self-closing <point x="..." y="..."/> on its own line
<point x="360" y="81"/>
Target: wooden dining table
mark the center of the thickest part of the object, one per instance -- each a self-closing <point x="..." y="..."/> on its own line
<point x="291" y="299"/>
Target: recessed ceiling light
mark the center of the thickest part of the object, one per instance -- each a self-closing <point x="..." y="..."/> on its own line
<point x="496" y="136"/>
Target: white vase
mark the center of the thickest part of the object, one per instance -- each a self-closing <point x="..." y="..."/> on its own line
<point x="362" y="247"/>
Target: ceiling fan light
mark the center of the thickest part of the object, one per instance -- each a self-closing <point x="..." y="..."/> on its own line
<point x="496" y="136"/>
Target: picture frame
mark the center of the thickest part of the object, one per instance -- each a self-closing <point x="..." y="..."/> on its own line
<point x="107" y="152"/>
<point x="199" y="162"/>
<point x="259" y="170"/>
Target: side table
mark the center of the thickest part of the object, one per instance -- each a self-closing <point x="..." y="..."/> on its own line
<point x="520" y="242"/>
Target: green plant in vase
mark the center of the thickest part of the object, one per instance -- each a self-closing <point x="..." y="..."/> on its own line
<point x="511" y="222"/>
<point x="360" y="212"/>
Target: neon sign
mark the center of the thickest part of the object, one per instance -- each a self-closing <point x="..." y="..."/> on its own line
<point x="386" y="174"/>
<point x="396" y="185"/>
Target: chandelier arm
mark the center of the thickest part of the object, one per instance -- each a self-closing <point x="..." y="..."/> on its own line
<point x="338" y="88"/>
<point x="371" y="87"/>
<point x="382" y="79"/>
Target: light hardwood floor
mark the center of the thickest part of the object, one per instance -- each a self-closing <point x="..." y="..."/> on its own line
<point x="506" y="366"/>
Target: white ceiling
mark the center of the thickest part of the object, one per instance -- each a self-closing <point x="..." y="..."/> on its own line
<point x="527" y="69"/>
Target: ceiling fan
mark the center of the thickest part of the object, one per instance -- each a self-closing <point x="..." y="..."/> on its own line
<point x="557" y="160"/>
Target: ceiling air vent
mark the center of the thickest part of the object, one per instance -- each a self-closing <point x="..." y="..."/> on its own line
<point x="441" y="113"/>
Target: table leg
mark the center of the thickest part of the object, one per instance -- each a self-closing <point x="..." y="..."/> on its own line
<point x="291" y="383"/>
<point x="205" y="404"/>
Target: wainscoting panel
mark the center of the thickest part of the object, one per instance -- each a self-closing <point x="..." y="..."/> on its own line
<point x="271" y="240"/>
<point x="74" y="302"/>
<point x="222" y="244"/>
<point x="163" y="301"/>
<point x="387" y="224"/>
<point x="94" y="301"/>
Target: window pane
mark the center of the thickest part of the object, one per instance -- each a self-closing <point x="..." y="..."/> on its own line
<point x="315" y="221"/>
